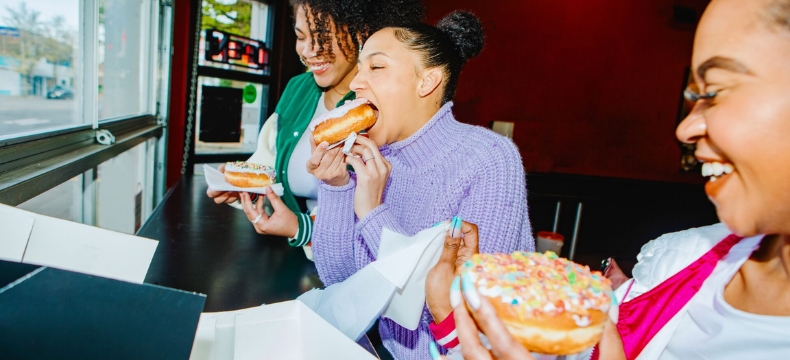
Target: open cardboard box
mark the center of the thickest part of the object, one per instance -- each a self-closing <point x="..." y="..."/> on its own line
<point x="285" y="331"/>
<point x="69" y="290"/>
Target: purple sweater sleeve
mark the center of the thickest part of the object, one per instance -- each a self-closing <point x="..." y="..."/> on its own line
<point x="374" y="223"/>
<point x="497" y="201"/>
<point x="334" y="236"/>
<point x="338" y="239"/>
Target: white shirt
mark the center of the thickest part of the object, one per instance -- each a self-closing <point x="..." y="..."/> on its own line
<point x="713" y="329"/>
<point x="301" y="182"/>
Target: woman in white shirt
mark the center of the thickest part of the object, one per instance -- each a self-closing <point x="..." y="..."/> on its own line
<point x="723" y="291"/>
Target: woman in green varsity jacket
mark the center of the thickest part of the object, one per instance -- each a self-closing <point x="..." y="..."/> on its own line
<point x="329" y="34"/>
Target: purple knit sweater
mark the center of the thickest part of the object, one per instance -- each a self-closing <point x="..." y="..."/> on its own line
<point x="445" y="169"/>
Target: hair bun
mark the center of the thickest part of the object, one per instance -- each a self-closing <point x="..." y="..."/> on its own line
<point x="465" y="31"/>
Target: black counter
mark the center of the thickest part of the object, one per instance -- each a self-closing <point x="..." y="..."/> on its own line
<point x="214" y="250"/>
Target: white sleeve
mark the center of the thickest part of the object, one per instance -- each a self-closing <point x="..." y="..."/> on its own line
<point x="266" y="152"/>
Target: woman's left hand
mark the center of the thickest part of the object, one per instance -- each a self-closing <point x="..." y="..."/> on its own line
<point x="372" y="171"/>
<point x="456" y="251"/>
<point x="282" y="222"/>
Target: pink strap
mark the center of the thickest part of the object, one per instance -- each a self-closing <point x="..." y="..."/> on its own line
<point x="627" y="291"/>
<point x="643" y="316"/>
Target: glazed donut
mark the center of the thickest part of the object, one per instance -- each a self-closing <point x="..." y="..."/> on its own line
<point x="249" y="175"/>
<point x="549" y="304"/>
<point x="336" y="125"/>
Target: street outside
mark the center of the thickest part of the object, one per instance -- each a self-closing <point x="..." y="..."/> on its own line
<point x="19" y="114"/>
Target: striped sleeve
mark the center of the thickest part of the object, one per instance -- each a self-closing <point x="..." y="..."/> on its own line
<point x="305" y="232"/>
<point x="444" y="332"/>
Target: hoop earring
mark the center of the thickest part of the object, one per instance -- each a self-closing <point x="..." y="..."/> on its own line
<point x="301" y="59"/>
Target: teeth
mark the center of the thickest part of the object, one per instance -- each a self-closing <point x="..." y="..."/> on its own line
<point x="713" y="179"/>
<point x="320" y="66"/>
<point x="716" y="169"/>
<point x="706" y="170"/>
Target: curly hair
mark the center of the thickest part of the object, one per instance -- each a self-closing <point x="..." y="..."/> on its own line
<point x="354" y="21"/>
<point x="457" y="37"/>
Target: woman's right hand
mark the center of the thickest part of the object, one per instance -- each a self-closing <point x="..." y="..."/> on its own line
<point x="220" y="197"/>
<point x="328" y="166"/>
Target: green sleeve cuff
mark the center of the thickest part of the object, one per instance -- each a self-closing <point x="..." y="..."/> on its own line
<point x="305" y="232"/>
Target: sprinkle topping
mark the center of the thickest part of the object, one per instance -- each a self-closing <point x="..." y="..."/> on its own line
<point x="245" y="167"/>
<point x="540" y="283"/>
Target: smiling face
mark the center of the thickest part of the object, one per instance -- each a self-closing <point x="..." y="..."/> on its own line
<point x="392" y="79"/>
<point x="743" y="132"/>
<point x="328" y="69"/>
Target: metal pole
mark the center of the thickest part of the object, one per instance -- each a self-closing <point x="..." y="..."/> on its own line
<point x="575" y="231"/>
<point x="556" y="216"/>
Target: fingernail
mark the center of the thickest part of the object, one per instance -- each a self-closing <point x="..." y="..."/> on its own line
<point x="455" y="292"/>
<point x="470" y="293"/>
<point x="614" y="298"/>
<point x="455" y="227"/>
<point x="434" y="351"/>
<point x="437" y="224"/>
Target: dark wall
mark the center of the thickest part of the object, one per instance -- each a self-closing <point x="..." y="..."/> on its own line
<point x="618" y="216"/>
<point x="593" y="86"/>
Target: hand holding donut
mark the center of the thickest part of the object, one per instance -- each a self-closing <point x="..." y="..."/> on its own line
<point x="373" y="171"/>
<point x="528" y="301"/>
<point x="503" y="346"/>
<point x="328" y="165"/>
<point x="220" y="197"/>
<point x="282" y="222"/>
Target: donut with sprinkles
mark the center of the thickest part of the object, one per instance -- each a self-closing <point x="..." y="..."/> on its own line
<point x="249" y="175"/>
<point x="549" y="304"/>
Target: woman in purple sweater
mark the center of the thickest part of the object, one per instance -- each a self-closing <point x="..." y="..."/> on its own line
<point x="419" y="166"/>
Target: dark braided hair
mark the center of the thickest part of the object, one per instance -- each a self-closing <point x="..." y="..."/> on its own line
<point x="354" y="20"/>
<point x="457" y="38"/>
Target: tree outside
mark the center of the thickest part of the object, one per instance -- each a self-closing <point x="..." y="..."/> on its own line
<point x="50" y="40"/>
<point x="233" y="16"/>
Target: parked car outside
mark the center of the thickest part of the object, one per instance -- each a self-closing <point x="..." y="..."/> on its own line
<point x="60" y="92"/>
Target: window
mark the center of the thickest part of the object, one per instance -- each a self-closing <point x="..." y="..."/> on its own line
<point x="117" y="195"/>
<point x="63" y="201"/>
<point x="73" y="72"/>
<point x="39" y="50"/>
<point x="124" y="189"/>
<point x="122" y="68"/>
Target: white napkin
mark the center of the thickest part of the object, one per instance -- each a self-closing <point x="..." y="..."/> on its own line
<point x="393" y="285"/>
<point x="216" y="181"/>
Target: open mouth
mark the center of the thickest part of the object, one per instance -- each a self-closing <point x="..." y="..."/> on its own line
<point x="718" y="174"/>
<point x="318" y="66"/>
<point x="375" y="109"/>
